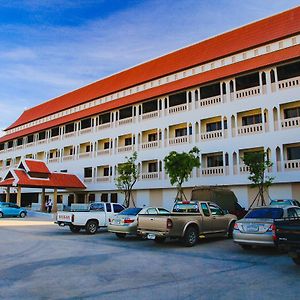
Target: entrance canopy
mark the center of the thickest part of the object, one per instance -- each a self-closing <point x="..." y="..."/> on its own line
<point x="35" y="174"/>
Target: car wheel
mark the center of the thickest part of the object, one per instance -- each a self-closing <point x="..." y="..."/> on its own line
<point x="190" y="237"/>
<point x="1" y="214"/>
<point x="246" y="247"/>
<point x="230" y="230"/>
<point x="297" y="260"/>
<point x="22" y="214"/>
<point x="74" y="229"/>
<point x="159" y="240"/>
<point x="91" y="227"/>
<point x="121" y="235"/>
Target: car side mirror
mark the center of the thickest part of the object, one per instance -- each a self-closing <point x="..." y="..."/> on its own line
<point x="225" y="211"/>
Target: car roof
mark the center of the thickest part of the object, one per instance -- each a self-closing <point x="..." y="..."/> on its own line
<point x="276" y="206"/>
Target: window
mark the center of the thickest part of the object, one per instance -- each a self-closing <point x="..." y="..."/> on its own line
<point x="114" y="197"/>
<point x="30" y="139"/>
<point x="205" y="209"/>
<point x="71" y="151"/>
<point x="108" y="207"/>
<point x="10" y="144"/>
<point x="42" y="135"/>
<point x="210" y="91"/>
<point x="128" y="141"/>
<point x="104" y="197"/>
<point x="247" y="81"/>
<point x="150" y="106"/>
<point x="88" y="148"/>
<point x="214" y="161"/>
<point x="54" y="131"/>
<point x="20" y="142"/>
<point x="1" y="146"/>
<point x="215" y="210"/>
<point x="152" y="137"/>
<point x="213" y="126"/>
<point x="97" y="206"/>
<point x="294" y="212"/>
<point x="292" y="112"/>
<point x="265" y="213"/>
<point x="152" y="167"/>
<point x="105" y="118"/>
<point x="106" y="145"/>
<point x="86" y="123"/>
<point x="131" y="211"/>
<point x="106" y="171"/>
<point x="163" y="211"/>
<point x="88" y="172"/>
<point x="250" y="120"/>
<point x="125" y="113"/>
<point x="293" y="153"/>
<point x="118" y="208"/>
<point x="177" y="99"/>
<point x="70" y="128"/>
<point x="180" y="132"/>
<point x="151" y="211"/>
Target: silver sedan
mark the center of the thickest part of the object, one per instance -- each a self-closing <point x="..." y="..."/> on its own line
<point x="257" y="227"/>
<point x="126" y="222"/>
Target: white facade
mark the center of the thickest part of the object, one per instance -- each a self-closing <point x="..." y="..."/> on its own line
<point x="223" y="126"/>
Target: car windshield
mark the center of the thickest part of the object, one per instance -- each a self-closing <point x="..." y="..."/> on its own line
<point x="281" y="202"/>
<point x="186" y="207"/>
<point x="130" y="211"/>
<point x="265" y="213"/>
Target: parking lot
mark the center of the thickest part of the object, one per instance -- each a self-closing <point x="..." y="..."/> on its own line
<point x="39" y="260"/>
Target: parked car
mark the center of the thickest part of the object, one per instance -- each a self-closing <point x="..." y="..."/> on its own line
<point x="288" y="235"/>
<point x="188" y="221"/>
<point x="12" y="210"/>
<point x="126" y="221"/>
<point x="223" y="197"/>
<point x="289" y="202"/>
<point x="95" y="215"/>
<point x="257" y="227"/>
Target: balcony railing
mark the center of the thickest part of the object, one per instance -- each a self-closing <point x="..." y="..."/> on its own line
<point x="29" y="144"/>
<point x="244" y="169"/>
<point x="291" y="123"/>
<point x="85" y="155"/>
<point x="53" y="160"/>
<point x="103" y="179"/>
<point x="125" y="121"/>
<point x="289" y="83"/>
<point x="68" y="157"/>
<point x="104" y="126"/>
<point x="250" y="129"/>
<point x="19" y="147"/>
<point x="69" y="134"/>
<point x="86" y="130"/>
<point x="210" y="101"/>
<point x="150" y="115"/>
<point x="292" y="164"/>
<point x="103" y="152"/>
<point x="88" y="179"/>
<point x="212" y="171"/>
<point x="217" y="134"/>
<point x="150" y="145"/>
<point x="178" y="140"/>
<point x="151" y="175"/>
<point x="55" y="138"/>
<point x="177" y="108"/>
<point x="125" y="148"/>
<point x="44" y="141"/>
<point x="248" y="92"/>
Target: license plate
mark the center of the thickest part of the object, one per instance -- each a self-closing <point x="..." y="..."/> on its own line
<point x="252" y="228"/>
<point x="151" y="236"/>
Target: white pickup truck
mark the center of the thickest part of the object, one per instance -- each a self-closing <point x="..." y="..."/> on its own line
<point x="95" y="215"/>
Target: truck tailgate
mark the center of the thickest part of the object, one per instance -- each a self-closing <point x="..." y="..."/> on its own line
<point x="288" y="231"/>
<point x="152" y="222"/>
<point x="63" y="216"/>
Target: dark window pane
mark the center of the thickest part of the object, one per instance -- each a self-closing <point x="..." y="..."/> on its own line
<point x="293" y="153"/>
<point x="247" y="81"/>
<point x="150" y="106"/>
<point x="210" y="91"/>
<point x="131" y="211"/>
<point x="265" y="213"/>
<point x="177" y="99"/>
<point x="118" y="208"/>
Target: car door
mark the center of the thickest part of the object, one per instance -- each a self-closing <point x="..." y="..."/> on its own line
<point x="220" y="221"/>
<point x="14" y="209"/>
<point x="5" y="209"/>
<point x="207" y="221"/>
<point x="98" y="211"/>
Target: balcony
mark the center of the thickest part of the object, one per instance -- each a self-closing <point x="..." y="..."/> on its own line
<point x="55" y="138"/>
<point x="41" y="142"/>
<point x="244" y="169"/>
<point x="217" y="134"/>
<point x="104" y="126"/>
<point x="150" y="176"/>
<point x="125" y="148"/>
<point x="88" y="179"/>
<point x="292" y="165"/>
<point x="213" y="171"/>
<point x="290" y="123"/>
<point x="289" y="83"/>
<point x="250" y="129"/>
<point x="68" y="157"/>
<point x="103" y="152"/>
<point x="211" y="101"/>
<point x="177" y="108"/>
<point x="246" y="93"/>
<point x="53" y="160"/>
<point x="86" y="155"/>
<point x="125" y="121"/>
<point x="150" y="115"/>
<point x="150" y="145"/>
<point x="103" y="179"/>
<point x="86" y="130"/>
<point x="179" y="140"/>
<point x="69" y="134"/>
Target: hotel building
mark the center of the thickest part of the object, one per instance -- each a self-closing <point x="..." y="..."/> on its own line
<point x="234" y="93"/>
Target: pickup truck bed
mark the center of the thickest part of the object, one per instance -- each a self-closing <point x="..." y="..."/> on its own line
<point x="288" y="236"/>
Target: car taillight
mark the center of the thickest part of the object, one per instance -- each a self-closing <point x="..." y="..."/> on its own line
<point x="236" y="226"/>
<point x="273" y="229"/>
<point x="169" y="223"/>
<point x="72" y="217"/>
<point x="128" y="221"/>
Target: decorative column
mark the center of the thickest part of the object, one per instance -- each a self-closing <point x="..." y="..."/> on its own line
<point x="19" y="196"/>
<point x="55" y="200"/>
<point x="43" y="202"/>
<point x="7" y="198"/>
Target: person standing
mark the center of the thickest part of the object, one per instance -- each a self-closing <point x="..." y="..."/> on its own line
<point x="49" y="205"/>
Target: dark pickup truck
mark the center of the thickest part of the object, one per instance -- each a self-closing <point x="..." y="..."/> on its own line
<point x="287" y="235"/>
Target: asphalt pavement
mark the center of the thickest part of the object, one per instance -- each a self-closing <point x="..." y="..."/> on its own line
<point x="39" y="260"/>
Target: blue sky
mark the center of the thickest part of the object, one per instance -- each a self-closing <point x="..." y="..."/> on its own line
<point x="50" y="47"/>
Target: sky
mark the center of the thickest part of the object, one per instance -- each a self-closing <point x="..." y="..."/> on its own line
<point x="50" y="47"/>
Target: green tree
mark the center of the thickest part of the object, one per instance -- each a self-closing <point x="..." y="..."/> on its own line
<point x="127" y="175"/>
<point x="259" y="163"/>
<point x="179" y="167"/>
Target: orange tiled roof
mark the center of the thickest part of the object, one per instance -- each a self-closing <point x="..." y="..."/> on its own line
<point x="36" y="166"/>
<point x="249" y="36"/>
<point x="216" y="74"/>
